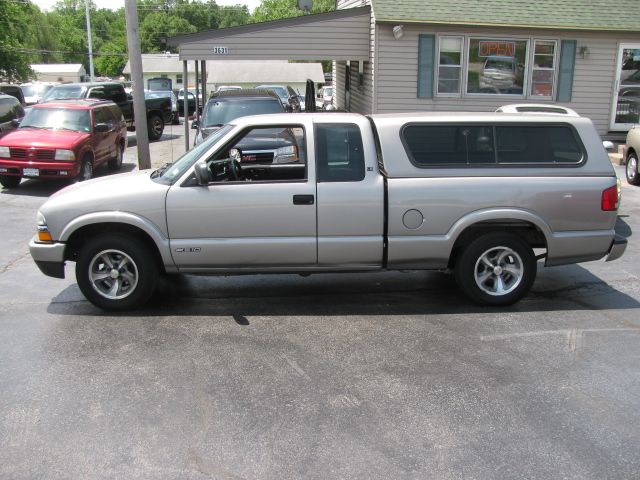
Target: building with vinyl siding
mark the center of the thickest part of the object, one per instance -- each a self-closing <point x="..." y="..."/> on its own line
<point x="432" y="55"/>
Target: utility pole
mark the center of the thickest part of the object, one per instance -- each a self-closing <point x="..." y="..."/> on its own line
<point x="90" y="43"/>
<point x="139" y="107"/>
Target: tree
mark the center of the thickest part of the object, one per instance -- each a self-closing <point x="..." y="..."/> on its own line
<point x="158" y="26"/>
<point x="277" y="9"/>
<point x="112" y="58"/>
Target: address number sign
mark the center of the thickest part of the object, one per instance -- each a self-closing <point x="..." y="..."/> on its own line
<point x="221" y="50"/>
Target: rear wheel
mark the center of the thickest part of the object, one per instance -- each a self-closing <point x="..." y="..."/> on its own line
<point x="10" y="181"/>
<point x="155" y="126"/>
<point x="116" y="272"/>
<point x="116" y="162"/>
<point x="633" y="177"/>
<point x="496" y="269"/>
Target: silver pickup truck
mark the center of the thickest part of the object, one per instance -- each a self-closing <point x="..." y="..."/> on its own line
<point x="483" y="195"/>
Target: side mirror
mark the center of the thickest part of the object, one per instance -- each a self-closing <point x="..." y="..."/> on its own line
<point x="129" y="97"/>
<point x="101" y="128"/>
<point x="609" y="146"/>
<point x="16" y="122"/>
<point x="203" y="174"/>
<point x="195" y="125"/>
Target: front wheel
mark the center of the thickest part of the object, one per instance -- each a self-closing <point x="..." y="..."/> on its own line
<point x="10" y="181"/>
<point x="86" y="170"/>
<point x="496" y="269"/>
<point x="116" y="272"/>
<point x="633" y="177"/>
<point x="155" y="126"/>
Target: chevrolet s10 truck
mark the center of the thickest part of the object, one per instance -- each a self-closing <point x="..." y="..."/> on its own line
<point x="482" y="195"/>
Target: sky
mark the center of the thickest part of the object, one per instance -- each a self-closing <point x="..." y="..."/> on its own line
<point x="115" y="4"/>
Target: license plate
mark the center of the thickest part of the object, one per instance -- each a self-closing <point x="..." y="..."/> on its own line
<point x="30" y="172"/>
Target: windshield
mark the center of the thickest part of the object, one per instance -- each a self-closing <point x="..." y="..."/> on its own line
<point x="35" y="90"/>
<point x="175" y="170"/>
<point x="328" y="92"/>
<point x="280" y="91"/>
<point x="57" y="119"/>
<point x="157" y="94"/>
<point x="219" y="113"/>
<point x="67" y="91"/>
<point x="498" y="64"/>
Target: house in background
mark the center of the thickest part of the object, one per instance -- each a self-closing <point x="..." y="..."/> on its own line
<point x="161" y="65"/>
<point x="59" y="72"/>
<point x="251" y="73"/>
<point x="431" y="55"/>
<point x="246" y="74"/>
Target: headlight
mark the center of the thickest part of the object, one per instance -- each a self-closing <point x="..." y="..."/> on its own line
<point x="4" y="152"/>
<point x="43" y="231"/>
<point x="65" y="155"/>
<point x="286" y="154"/>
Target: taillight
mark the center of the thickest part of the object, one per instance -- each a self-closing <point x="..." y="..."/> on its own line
<point x="610" y="199"/>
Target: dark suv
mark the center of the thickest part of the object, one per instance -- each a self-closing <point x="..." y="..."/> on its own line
<point x="11" y="112"/>
<point x="223" y="107"/>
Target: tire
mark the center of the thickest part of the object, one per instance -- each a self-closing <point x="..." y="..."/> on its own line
<point x="10" y="181"/>
<point x="116" y="162"/>
<point x="86" y="170"/>
<point x="496" y="269"/>
<point x="104" y="257"/>
<point x="155" y="126"/>
<point x="633" y="177"/>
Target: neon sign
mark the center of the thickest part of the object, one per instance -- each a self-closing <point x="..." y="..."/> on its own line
<point x="496" y="48"/>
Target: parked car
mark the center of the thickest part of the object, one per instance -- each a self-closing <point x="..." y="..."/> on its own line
<point x="537" y="108"/>
<point x="383" y="192"/>
<point x="325" y="98"/>
<point x="14" y="91"/>
<point x="191" y="101"/>
<point x="174" y="117"/>
<point x="501" y="75"/>
<point x="66" y="139"/>
<point x="11" y="112"/>
<point x="288" y="96"/>
<point x="34" y="91"/>
<point x="224" y="107"/>
<point x="158" y="109"/>
<point x="631" y="153"/>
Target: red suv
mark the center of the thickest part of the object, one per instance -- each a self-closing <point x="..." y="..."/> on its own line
<point x="63" y="139"/>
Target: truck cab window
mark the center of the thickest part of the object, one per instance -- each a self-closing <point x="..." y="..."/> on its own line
<point x="263" y="154"/>
<point x="339" y="153"/>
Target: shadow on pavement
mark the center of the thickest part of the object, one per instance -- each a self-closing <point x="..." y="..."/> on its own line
<point x="379" y="294"/>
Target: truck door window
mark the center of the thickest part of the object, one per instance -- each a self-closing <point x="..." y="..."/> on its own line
<point x="263" y="154"/>
<point x="339" y="152"/>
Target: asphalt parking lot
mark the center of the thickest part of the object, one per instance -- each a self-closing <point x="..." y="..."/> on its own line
<point x="378" y="376"/>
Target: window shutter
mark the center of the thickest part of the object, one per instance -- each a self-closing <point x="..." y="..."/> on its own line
<point x="426" y="55"/>
<point x="567" y="65"/>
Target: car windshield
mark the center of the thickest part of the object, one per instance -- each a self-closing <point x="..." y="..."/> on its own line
<point x="498" y="64"/>
<point x="175" y="170"/>
<point x="280" y="91"/>
<point x="328" y="92"/>
<point x="57" y="119"/>
<point x="65" y="91"/>
<point x="35" y="89"/>
<point x="156" y="94"/>
<point x="219" y="113"/>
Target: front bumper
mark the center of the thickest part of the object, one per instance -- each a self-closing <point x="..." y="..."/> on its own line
<point x="49" y="257"/>
<point x="618" y="246"/>
<point x="54" y="169"/>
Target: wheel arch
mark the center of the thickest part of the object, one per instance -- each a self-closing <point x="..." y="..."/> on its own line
<point x="526" y="225"/>
<point x="78" y="232"/>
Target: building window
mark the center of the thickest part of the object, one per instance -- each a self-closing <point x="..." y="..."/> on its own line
<point x="496" y="66"/>
<point x="179" y="78"/>
<point x="450" y="65"/>
<point x="543" y="68"/>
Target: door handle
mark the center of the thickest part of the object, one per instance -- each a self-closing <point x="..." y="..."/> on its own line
<point x="303" y="199"/>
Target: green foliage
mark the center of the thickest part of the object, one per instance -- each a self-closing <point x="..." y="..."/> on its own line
<point x="277" y="9"/>
<point x="112" y="58"/>
<point x="157" y="26"/>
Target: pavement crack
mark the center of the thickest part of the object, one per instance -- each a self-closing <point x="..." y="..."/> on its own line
<point x="11" y="263"/>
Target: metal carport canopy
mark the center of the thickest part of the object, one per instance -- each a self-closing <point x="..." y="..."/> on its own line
<point x="337" y="35"/>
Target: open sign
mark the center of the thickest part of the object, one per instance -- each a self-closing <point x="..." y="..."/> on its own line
<point x="493" y="48"/>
